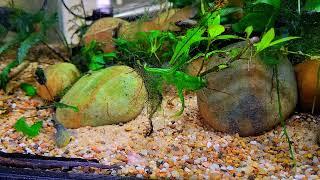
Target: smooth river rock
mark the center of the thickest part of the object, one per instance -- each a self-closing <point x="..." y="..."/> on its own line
<point x="109" y="96"/>
<point x="307" y="76"/>
<point x="247" y="103"/>
<point x="59" y="77"/>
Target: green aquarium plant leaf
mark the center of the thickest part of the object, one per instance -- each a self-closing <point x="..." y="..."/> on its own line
<point x="312" y="5"/>
<point x="95" y="57"/>
<point x="214" y="21"/>
<point x="180" y="80"/>
<point x="274" y="3"/>
<point x="265" y="40"/>
<point x="30" y="131"/>
<point x="4" y="75"/>
<point x="248" y="31"/>
<point x="28" y="89"/>
<point x="227" y="37"/>
<point x="30" y="41"/>
<point x="192" y="36"/>
<point x="62" y="105"/>
<point x="8" y="45"/>
<point x="215" y="30"/>
<point x="282" y="40"/>
<point x="261" y="15"/>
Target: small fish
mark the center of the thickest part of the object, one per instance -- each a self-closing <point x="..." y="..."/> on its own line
<point x="40" y="76"/>
<point x="187" y="23"/>
<point x="62" y="136"/>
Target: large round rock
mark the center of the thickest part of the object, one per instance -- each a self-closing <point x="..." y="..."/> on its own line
<point x="103" y="31"/>
<point x="246" y="100"/>
<point x="309" y="93"/>
<point x="59" y="77"/>
<point x="109" y="96"/>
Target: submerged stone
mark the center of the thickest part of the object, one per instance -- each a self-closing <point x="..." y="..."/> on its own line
<point x="243" y="99"/>
<point x="307" y="76"/>
<point x="109" y="96"/>
<point x="103" y="31"/>
<point x="59" y="77"/>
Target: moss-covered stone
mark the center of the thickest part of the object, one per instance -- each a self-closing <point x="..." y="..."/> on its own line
<point x="59" y="77"/>
<point x="243" y="99"/>
<point x="108" y="96"/>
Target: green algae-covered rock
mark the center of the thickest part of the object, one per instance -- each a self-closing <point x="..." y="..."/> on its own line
<point x="246" y="100"/>
<point x="108" y="96"/>
<point x="59" y="77"/>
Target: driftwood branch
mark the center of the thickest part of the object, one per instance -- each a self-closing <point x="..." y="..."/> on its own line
<point x="17" y="70"/>
<point x="40" y="162"/>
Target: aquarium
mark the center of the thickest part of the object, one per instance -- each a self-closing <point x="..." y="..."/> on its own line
<point x="161" y="89"/>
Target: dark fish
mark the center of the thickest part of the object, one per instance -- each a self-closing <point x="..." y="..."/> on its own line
<point x="40" y="76"/>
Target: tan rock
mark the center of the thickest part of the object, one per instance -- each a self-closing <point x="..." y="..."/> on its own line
<point x="103" y="32"/>
<point x="109" y="96"/>
<point x="59" y="77"/>
<point x="307" y="76"/>
<point x="247" y="101"/>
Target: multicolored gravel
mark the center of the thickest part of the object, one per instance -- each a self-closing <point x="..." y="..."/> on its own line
<point x="179" y="148"/>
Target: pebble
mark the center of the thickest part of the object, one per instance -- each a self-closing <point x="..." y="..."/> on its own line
<point x="253" y="142"/>
<point x="230" y="168"/>
<point x="299" y="176"/>
<point x="214" y="167"/>
<point x="209" y="144"/>
<point x="216" y="147"/>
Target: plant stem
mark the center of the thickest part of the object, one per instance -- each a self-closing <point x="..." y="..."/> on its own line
<point x="299" y="7"/>
<point x="216" y="68"/>
<point x="283" y="124"/>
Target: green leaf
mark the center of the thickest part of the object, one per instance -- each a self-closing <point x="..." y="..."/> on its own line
<point x="28" y="89"/>
<point x="270" y="58"/>
<point x="215" y="30"/>
<point x="265" y="41"/>
<point x="7" y="45"/>
<point x="226" y="37"/>
<point x="312" y="5"/>
<point x="62" y="105"/>
<point x="109" y="55"/>
<point x="282" y="40"/>
<point x="30" y="41"/>
<point x="214" y="21"/>
<point x="30" y="131"/>
<point x="4" y="76"/>
<point x="183" y="46"/>
<point x="275" y="3"/>
<point x="95" y="66"/>
<point x="248" y="31"/>
<point x="258" y="20"/>
<point x="180" y="80"/>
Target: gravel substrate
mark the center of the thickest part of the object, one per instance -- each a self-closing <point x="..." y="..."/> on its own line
<point x="180" y="147"/>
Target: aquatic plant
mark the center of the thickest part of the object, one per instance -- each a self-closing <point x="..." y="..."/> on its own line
<point x="31" y="30"/>
<point x="30" y="131"/>
<point x="265" y="43"/>
<point x="94" y="57"/>
<point x="28" y="89"/>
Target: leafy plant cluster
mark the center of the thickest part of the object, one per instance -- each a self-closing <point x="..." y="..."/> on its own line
<point x="31" y="30"/>
<point x="93" y="58"/>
